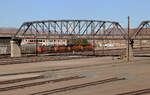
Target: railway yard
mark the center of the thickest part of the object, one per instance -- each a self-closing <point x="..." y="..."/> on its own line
<point x="75" y="75"/>
<point x="73" y="47"/>
<point x="93" y="57"/>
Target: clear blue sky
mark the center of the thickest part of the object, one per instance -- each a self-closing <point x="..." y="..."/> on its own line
<point x="14" y="12"/>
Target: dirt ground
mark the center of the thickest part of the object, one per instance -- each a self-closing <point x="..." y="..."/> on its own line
<point x="136" y="74"/>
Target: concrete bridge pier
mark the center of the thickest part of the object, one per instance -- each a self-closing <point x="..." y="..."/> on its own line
<point x="15" y="49"/>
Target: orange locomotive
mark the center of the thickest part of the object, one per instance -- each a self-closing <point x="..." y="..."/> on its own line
<point x="65" y="48"/>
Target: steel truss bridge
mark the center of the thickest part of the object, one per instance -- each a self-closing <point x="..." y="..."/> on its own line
<point x="142" y="32"/>
<point x="72" y="29"/>
<point x="82" y="29"/>
<point x="86" y="29"/>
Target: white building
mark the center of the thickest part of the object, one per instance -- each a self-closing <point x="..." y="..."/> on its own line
<point x="45" y="42"/>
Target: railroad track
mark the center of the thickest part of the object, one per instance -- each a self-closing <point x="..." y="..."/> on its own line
<point x="73" y="87"/>
<point x="11" y="61"/>
<point x="20" y="80"/>
<point x="138" y="92"/>
<point x="39" y="83"/>
<point x="58" y="69"/>
<point x="56" y="56"/>
<point x="64" y="68"/>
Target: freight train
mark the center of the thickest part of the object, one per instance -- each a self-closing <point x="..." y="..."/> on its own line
<point x="65" y="48"/>
<point x="55" y="45"/>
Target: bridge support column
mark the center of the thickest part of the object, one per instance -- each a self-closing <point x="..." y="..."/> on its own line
<point x="15" y="49"/>
<point x="129" y="52"/>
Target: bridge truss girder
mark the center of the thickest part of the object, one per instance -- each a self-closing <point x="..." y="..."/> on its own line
<point x="142" y="32"/>
<point x="89" y="29"/>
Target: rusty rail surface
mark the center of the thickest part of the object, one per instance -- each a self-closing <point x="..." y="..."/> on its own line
<point x="20" y="80"/>
<point x="38" y="83"/>
<point x="73" y="87"/>
<point x="137" y="92"/>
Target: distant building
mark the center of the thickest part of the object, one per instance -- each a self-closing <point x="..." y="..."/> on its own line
<point x="5" y="45"/>
<point x="5" y="40"/>
<point x="45" y="42"/>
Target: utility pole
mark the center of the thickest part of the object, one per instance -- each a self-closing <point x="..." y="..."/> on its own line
<point x="128" y="55"/>
<point x="36" y="46"/>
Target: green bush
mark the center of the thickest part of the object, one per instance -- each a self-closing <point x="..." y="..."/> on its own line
<point x="82" y="42"/>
